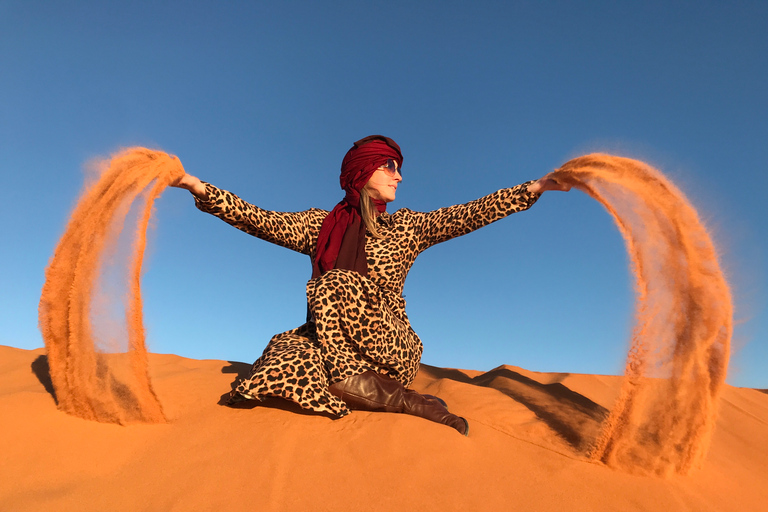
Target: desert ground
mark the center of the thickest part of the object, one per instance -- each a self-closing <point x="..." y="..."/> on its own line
<point x="526" y="450"/>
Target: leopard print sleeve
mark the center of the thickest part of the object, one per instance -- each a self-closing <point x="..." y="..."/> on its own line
<point x="446" y="223"/>
<point x="295" y="230"/>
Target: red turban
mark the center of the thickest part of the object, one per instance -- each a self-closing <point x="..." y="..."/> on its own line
<point x="341" y="242"/>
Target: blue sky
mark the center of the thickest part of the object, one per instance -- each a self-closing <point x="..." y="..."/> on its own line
<point x="264" y="99"/>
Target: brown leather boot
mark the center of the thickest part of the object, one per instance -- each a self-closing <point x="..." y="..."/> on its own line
<point x="371" y="391"/>
<point x="419" y="405"/>
<point x="437" y="398"/>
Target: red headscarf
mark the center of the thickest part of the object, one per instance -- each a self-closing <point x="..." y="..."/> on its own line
<point x="341" y="243"/>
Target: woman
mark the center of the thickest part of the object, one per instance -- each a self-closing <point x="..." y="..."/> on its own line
<point x="357" y="350"/>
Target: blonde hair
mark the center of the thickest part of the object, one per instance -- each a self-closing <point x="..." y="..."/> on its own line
<point x="368" y="213"/>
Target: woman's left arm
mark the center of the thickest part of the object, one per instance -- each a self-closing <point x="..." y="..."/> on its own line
<point x="446" y="223"/>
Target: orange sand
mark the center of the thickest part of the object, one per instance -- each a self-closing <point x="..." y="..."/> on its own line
<point x="666" y="413"/>
<point x="89" y="383"/>
<point x="526" y="449"/>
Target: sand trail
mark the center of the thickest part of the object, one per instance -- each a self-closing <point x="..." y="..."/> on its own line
<point x="88" y="382"/>
<point x="664" y="417"/>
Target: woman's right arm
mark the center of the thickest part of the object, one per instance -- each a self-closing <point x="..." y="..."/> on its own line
<point x="295" y="230"/>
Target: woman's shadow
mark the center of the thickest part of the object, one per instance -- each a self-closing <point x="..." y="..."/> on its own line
<point x="243" y="371"/>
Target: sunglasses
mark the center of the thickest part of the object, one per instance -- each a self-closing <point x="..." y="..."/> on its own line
<point x="390" y="168"/>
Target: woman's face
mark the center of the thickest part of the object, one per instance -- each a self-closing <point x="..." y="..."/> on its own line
<point x="383" y="183"/>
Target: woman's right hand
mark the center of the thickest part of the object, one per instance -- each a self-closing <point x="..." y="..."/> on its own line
<point x="548" y="182"/>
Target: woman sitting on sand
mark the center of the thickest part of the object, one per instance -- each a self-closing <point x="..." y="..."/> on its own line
<point x="357" y="350"/>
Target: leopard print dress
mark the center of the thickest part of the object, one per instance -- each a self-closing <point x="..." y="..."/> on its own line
<point x="358" y="323"/>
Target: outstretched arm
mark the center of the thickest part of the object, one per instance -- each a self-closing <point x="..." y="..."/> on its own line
<point x="295" y="230"/>
<point x="446" y="223"/>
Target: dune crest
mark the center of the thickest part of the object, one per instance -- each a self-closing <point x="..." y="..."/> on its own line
<point x="89" y="383"/>
<point x="664" y="417"/>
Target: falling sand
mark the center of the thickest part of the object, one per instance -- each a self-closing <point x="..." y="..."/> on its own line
<point x="664" y="417"/>
<point x="90" y="383"/>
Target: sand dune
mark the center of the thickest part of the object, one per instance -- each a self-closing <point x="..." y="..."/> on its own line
<point x="529" y="434"/>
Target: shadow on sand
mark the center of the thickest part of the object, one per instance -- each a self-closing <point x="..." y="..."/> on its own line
<point x="242" y="371"/>
<point x="43" y="373"/>
<point x="574" y="417"/>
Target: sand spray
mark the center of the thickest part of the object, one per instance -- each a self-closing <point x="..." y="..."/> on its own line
<point x="665" y="415"/>
<point x="90" y="383"/>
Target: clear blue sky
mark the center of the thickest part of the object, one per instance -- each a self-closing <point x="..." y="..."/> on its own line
<point x="264" y="99"/>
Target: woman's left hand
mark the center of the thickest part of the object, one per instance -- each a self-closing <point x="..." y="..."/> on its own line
<point x="193" y="184"/>
<point x="548" y="182"/>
